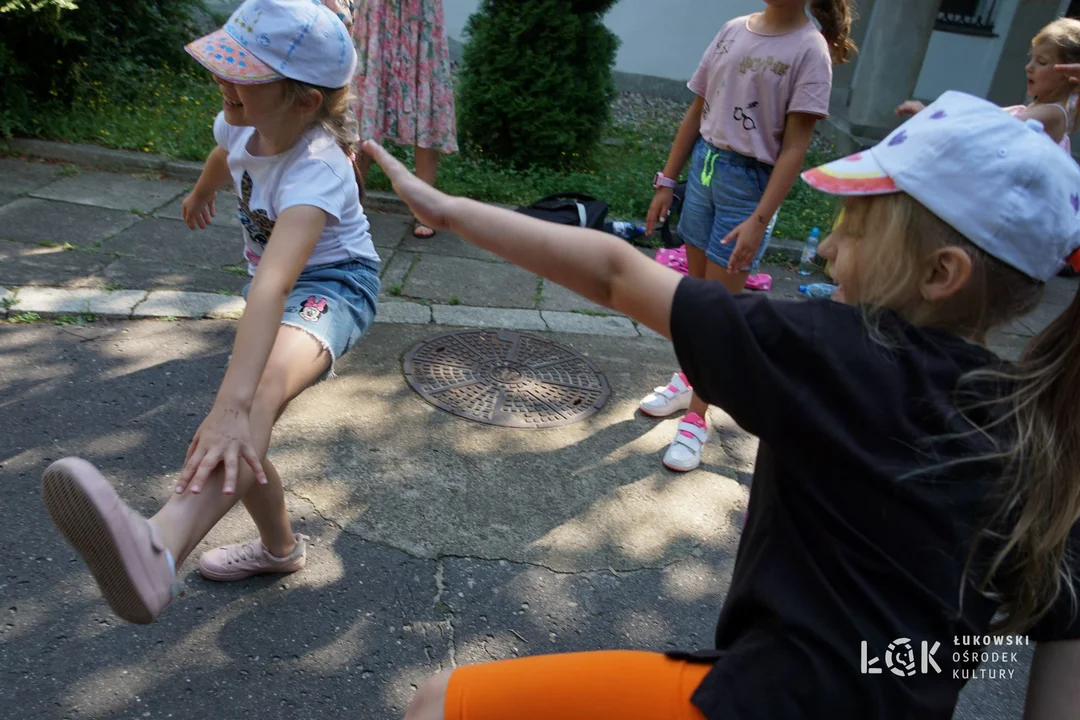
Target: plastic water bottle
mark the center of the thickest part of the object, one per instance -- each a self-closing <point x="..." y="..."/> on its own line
<point x="806" y="262"/>
<point x="818" y="290"/>
<point x="625" y="230"/>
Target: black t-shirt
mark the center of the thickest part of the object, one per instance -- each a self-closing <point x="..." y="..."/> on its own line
<point x="851" y="535"/>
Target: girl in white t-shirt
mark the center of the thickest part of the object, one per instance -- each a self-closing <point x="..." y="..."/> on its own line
<point x="284" y="67"/>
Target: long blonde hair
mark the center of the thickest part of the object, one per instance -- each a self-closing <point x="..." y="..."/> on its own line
<point x="335" y="115"/>
<point x="1036" y="502"/>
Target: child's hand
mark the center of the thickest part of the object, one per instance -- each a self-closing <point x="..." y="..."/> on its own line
<point x="659" y="209"/>
<point x="198" y="208"/>
<point x="910" y="107"/>
<point x="748" y="236"/>
<point x="1071" y="71"/>
<point x="223" y="438"/>
<point x="430" y="206"/>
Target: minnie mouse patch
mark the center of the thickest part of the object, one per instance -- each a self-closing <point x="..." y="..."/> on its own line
<point x="312" y="309"/>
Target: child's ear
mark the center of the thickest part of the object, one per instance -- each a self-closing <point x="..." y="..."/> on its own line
<point x="311" y="100"/>
<point x="948" y="273"/>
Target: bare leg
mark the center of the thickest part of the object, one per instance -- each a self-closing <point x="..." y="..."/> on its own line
<point x="427" y="166"/>
<point x="363" y="161"/>
<point x="296" y="361"/>
<point x="430" y="699"/>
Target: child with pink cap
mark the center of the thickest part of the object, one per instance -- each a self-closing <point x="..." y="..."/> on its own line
<point x="284" y="67"/>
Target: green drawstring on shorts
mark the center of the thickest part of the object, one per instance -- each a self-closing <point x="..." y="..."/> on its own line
<point x="708" y="169"/>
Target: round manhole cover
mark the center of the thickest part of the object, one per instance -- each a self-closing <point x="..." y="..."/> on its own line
<point x="500" y="377"/>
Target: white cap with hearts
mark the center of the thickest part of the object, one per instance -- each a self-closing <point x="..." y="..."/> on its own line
<point x="1002" y="183"/>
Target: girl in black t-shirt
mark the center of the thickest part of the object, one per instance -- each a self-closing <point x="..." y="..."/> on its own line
<point x="910" y="487"/>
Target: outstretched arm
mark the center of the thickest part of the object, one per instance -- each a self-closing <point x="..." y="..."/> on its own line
<point x="591" y="263"/>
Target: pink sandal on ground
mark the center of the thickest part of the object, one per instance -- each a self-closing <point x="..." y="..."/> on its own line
<point x="124" y="551"/>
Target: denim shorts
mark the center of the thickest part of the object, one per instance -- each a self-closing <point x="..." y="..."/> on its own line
<point x="723" y="191"/>
<point x="335" y="304"/>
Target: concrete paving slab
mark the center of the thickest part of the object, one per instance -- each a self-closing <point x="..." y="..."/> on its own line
<point x="556" y="297"/>
<point x="473" y="282"/>
<point x="22" y="264"/>
<point x="446" y="243"/>
<point x="484" y="317"/>
<point x="22" y="176"/>
<point x="225" y="206"/>
<point x="396" y="268"/>
<point x="592" y="495"/>
<point x="130" y="272"/>
<point x="48" y="302"/>
<point x="171" y="303"/>
<point x="171" y="242"/>
<point x="398" y="311"/>
<point x="32" y="220"/>
<point x="569" y="322"/>
<point x="387" y="231"/>
<point x="111" y="190"/>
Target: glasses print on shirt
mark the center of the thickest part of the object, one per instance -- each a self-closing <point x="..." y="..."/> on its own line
<point x="257" y="223"/>
<point x="740" y="115"/>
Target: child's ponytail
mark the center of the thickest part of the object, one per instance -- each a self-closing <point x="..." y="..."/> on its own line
<point x="835" y="18"/>
<point x="1039" y="499"/>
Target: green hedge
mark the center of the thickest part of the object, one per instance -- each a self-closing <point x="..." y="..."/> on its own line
<point x="536" y="82"/>
<point x="50" y="49"/>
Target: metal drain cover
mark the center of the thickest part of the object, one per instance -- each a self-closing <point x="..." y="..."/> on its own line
<point x="505" y="378"/>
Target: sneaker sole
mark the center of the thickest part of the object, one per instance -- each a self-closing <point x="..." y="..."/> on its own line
<point x="80" y="520"/>
<point x="679" y="469"/>
<point x="223" y="577"/>
<point x="668" y="413"/>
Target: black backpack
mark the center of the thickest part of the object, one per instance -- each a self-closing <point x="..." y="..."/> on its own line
<point x="569" y="209"/>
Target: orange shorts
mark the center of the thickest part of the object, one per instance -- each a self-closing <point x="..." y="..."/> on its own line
<point x="577" y="686"/>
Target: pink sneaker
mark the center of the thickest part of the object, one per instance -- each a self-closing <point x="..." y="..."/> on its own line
<point x="123" y="550"/>
<point x="237" y="562"/>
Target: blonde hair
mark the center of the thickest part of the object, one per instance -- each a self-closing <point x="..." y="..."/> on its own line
<point x="334" y="114"/>
<point x="1036" y="503"/>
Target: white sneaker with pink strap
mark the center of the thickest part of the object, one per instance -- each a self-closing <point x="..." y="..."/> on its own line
<point x="684" y="453"/>
<point x="664" y="401"/>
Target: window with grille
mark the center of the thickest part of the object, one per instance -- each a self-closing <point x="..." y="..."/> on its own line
<point x="974" y="17"/>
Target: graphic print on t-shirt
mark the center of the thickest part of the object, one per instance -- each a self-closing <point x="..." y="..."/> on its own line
<point x="756" y="64"/>
<point x="256" y="222"/>
<point x="739" y="115"/>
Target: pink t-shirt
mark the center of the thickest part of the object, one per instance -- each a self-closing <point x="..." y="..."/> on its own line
<point x="750" y="82"/>
<point x="1065" y="143"/>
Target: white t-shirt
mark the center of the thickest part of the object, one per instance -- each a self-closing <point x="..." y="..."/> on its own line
<point x="315" y="171"/>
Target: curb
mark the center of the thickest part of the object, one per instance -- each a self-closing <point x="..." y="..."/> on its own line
<point x="89" y="304"/>
<point x="130" y="161"/>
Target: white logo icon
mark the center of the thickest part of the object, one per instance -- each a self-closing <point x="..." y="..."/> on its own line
<point x="900" y="658"/>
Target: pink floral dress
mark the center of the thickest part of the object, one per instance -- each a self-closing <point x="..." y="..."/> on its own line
<point x="404" y="90"/>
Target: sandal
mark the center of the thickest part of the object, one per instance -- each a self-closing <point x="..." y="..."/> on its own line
<point x="422" y="231"/>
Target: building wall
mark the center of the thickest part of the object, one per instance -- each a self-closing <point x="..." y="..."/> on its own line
<point x="661" y="38"/>
<point x="967" y="62"/>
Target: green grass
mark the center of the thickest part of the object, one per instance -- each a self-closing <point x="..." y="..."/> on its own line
<point x="25" y="317"/>
<point x="172" y="113"/>
<point x="394" y="290"/>
<point x="454" y="300"/>
<point x="80" y="319"/>
<point x="9" y="302"/>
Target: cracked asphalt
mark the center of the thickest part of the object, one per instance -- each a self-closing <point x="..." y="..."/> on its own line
<point x="435" y="541"/>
